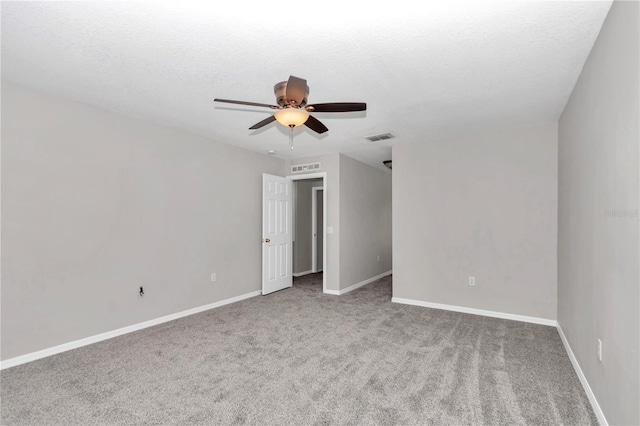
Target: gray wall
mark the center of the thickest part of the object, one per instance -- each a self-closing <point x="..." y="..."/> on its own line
<point x="95" y="205"/>
<point x="483" y="206"/>
<point x="303" y="239"/>
<point x="598" y="254"/>
<point x="365" y="221"/>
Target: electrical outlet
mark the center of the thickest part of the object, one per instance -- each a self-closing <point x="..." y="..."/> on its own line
<point x="378" y="258"/>
<point x="213" y="277"/>
<point x="472" y="280"/>
<point x="599" y="350"/>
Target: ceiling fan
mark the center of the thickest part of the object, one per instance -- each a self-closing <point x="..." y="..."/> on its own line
<point x="292" y="109"/>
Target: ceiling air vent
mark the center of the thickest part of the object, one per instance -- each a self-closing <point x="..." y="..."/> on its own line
<point x="305" y="167"/>
<point x="380" y="137"/>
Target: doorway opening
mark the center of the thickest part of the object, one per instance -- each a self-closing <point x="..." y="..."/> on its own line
<point x="309" y="230"/>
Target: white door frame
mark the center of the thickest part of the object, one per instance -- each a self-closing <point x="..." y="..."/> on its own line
<point x="316" y="175"/>
<point x="314" y="228"/>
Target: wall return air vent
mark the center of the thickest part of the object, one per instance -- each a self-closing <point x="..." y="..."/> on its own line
<point x="380" y="137"/>
<point x="305" y="167"/>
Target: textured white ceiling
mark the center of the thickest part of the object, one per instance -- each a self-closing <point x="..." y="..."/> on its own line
<point x="427" y="70"/>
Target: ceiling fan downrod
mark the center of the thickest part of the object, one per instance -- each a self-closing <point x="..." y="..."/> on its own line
<point x="291" y="126"/>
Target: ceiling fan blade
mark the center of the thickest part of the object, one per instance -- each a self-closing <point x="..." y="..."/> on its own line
<point x="315" y="125"/>
<point x="263" y="122"/>
<point x="338" y="107"/>
<point x="229" y="101"/>
<point x="297" y="90"/>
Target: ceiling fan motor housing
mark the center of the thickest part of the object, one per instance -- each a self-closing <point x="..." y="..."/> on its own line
<point x="280" y="91"/>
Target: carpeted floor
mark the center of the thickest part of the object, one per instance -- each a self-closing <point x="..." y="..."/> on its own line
<point x="300" y="357"/>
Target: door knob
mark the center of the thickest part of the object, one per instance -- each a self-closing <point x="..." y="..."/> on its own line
<point x="266" y="240"/>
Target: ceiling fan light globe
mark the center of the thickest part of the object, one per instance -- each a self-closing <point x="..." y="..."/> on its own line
<point x="291" y="116"/>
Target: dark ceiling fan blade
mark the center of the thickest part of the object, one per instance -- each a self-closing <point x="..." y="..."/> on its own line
<point x="297" y="90"/>
<point x="263" y="122"/>
<point x="315" y="125"/>
<point x="229" y="101"/>
<point x="338" y="107"/>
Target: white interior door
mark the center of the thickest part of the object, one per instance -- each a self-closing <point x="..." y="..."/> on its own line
<point x="276" y="233"/>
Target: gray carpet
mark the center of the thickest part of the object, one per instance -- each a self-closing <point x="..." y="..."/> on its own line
<point x="304" y="358"/>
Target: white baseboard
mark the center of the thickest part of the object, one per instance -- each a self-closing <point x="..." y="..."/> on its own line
<point x="583" y="380"/>
<point x="358" y="285"/>
<point x="494" y="314"/>
<point x="299" y="274"/>
<point x="23" y="359"/>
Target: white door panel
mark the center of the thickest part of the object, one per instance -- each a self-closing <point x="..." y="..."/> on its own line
<point x="276" y="230"/>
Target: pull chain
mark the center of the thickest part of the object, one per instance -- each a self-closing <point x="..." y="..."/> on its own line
<point x="291" y="126"/>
